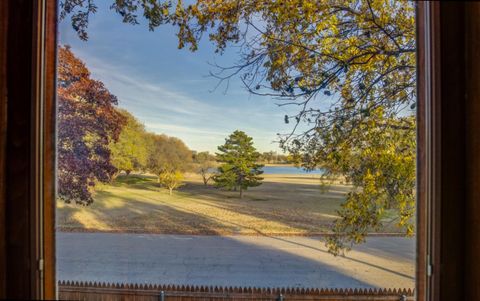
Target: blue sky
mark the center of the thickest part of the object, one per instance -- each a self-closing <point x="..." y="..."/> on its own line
<point x="168" y="89"/>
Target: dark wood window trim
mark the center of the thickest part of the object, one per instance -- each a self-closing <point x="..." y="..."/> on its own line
<point x="449" y="143"/>
<point x="3" y="142"/>
<point x="49" y="146"/>
<point x="27" y="153"/>
<point x="472" y="154"/>
<point x="421" y="227"/>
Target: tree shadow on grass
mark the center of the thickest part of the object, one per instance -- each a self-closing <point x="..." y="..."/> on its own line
<point x="291" y="208"/>
<point x="272" y="205"/>
<point x="304" y="207"/>
<point x="134" y="216"/>
<point x="298" y="206"/>
<point x="146" y="182"/>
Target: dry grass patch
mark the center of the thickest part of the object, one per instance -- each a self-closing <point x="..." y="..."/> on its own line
<point x="283" y="205"/>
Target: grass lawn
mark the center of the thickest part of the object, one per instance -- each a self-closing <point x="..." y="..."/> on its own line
<point x="283" y="205"/>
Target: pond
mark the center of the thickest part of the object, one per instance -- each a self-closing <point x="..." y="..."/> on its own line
<point x="289" y="170"/>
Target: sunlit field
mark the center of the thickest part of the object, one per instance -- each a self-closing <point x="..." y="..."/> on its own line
<point x="283" y="205"/>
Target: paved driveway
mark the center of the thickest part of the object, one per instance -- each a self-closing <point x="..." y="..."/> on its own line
<point x="233" y="260"/>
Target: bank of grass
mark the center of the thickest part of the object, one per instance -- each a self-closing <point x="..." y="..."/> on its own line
<point x="283" y="205"/>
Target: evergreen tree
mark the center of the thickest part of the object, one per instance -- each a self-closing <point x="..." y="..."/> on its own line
<point x="239" y="169"/>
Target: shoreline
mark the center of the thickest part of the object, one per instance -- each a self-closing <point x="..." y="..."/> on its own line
<point x="278" y="164"/>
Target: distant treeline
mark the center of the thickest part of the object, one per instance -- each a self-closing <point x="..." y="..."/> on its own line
<point x="235" y="166"/>
<point x="275" y="158"/>
<point x="97" y="141"/>
<point x="139" y="150"/>
<point x="264" y="158"/>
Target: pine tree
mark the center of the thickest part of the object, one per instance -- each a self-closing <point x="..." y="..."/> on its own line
<point x="239" y="169"/>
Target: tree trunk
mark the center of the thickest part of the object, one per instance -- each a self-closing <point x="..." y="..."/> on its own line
<point x="241" y="192"/>
<point x="128" y="172"/>
<point x="114" y="176"/>
<point x="170" y="190"/>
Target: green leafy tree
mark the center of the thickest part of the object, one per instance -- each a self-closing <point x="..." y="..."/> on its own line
<point x="338" y="62"/>
<point x="379" y="161"/>
<point x="168" y="157"/>
<point x="205" y="162"/>
<point x="171" y="180"/>
<point x="239" y="168"/>
<point x="130" y="151"/>
<point x="269" y="157"/>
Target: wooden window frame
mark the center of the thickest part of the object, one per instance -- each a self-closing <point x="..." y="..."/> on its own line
<point x="27" y="153"/>
<point x="445" y="270"/>
<point x="448" y="180"/>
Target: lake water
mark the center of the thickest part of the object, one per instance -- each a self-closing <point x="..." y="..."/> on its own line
<point x="289" y="170"/>
<point x="284" y="170"/>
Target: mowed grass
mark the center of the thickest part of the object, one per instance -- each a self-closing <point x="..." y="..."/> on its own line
<point x="283" y="205"/>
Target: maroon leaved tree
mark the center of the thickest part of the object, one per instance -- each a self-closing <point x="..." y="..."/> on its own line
<point x="87" y="122"/>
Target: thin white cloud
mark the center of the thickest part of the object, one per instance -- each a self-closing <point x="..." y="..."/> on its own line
<point x="143" y="91"/>
<point x="168" y="128"/>
<point x="167" y="110"/>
